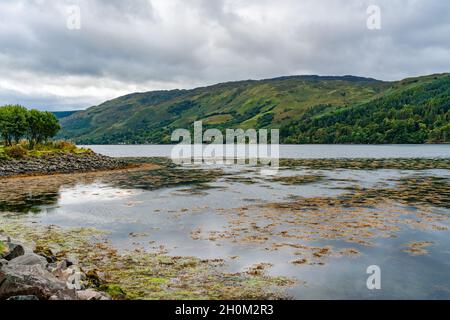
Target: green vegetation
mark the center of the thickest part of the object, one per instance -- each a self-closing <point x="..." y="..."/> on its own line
<point x="26" y="133"/>
<point x="24" y="149"/>
<point x="63" y="114"/>
<point x="114" y="291"/>
<point x="307" y="109"/>
<point x="137" y="274"/>
<point x="418" y="113"/>
<point x="16" y="123"/>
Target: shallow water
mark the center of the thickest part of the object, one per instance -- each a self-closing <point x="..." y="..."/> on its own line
<point x="137" y="215"/>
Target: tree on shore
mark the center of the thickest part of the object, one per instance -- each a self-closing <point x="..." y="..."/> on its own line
<point x="16" y="123"/>
<point x="13" y="123"/>
<point x="41" y="126"/>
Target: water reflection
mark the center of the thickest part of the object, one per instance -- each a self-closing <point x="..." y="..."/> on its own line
<point x="216" y="212"/>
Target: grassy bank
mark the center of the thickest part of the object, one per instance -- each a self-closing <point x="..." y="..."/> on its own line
<point x="23" y="150"/>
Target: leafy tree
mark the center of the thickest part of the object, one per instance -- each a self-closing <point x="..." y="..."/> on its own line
<point x="16" y="122"/>
<point x="36" y="122"/>
<point x="51" y="126"/>
<point x="13" y="123"/>
<point x="41" y="126"/>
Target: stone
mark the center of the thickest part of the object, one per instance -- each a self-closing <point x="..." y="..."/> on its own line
<point x="76" y="281"/>
<point x="60" y="163"/>
<point x="22" y="280"/>
<point x="90" y="294"/>
<point x="54" y="249"/>
<point x="23" y="298"/>
<point x="69" y="262"/>
<point x="29" y="259"/>
<point x="14" y="251"/>
<point x="61" y="270"/>
<point x="72" y="259"/>
<point x="3" y="262"/>
<point x="50" y="259"/>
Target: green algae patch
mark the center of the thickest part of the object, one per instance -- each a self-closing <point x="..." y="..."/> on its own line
<point x="137" y="274"/>
<point x="114" y="291"/>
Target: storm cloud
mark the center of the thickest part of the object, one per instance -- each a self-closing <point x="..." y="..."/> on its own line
<point x="142" y="45"/>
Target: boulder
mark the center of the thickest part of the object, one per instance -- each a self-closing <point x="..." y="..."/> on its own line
<point x="61" y="270"/>
<point x="24" y="280"/>
<point x="76" y="280"/>
<point x="90" y="294"/>
<point x="29" y="259"/>
<point x="14" y="251"/>
<point x="23" y="298"/>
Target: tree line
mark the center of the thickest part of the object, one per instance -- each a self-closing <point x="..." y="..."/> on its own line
<point x="417" y="115"/>
<point x="17" y="123"/>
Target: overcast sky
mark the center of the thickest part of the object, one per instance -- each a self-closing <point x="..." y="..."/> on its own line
<point x="142" y="45"/>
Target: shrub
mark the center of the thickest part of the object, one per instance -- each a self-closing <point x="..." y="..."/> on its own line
<point x="16" y="152"/>
<point x="66" y="146"/>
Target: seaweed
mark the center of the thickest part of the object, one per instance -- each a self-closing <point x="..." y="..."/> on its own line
<point x="137" y="274"/>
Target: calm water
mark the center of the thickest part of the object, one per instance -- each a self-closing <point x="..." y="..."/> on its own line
<point x="298" y="151"/>
<point x="126" y="204"/>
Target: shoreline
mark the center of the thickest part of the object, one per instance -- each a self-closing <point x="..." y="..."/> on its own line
<point x="130" y="168"/>
<point x="31" y="272"/>
<point x="106" y="273"/>
<point x="61" y="164"/>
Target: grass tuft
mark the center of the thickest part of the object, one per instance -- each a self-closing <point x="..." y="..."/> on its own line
<point x="24" y="149"/>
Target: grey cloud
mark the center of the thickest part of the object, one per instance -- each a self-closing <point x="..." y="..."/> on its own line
<point x="47" y="102"/>
<point x="159" y="44"/>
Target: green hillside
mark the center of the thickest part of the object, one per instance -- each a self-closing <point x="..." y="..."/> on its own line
<point x="307" y="109"/>
<point x="63" y="114"/>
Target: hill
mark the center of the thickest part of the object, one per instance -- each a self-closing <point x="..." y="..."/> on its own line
<point x="63" y="114"/>
<point x="307" y="109"/>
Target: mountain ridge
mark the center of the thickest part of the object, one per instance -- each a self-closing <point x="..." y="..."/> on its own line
<point x="150" y="117"/>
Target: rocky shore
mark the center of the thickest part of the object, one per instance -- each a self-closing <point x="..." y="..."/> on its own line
<point x="59" y="163"/>
<point x="28" y="274"/>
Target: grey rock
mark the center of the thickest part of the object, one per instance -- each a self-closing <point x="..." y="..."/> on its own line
<point x="29" y="259"/>
<point x="76" y="280"/>
<point x="55" y="249"/>
<point x="14" y="251"/>
<point x="23" y="298"/>
<point x="49" y="259"/>
<point x="3" y="262"/>
<point x="69" y="262"/>
<point x="34" y="280"/>
<point x="90" y="294"/>
<point x="61" y="270"/>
